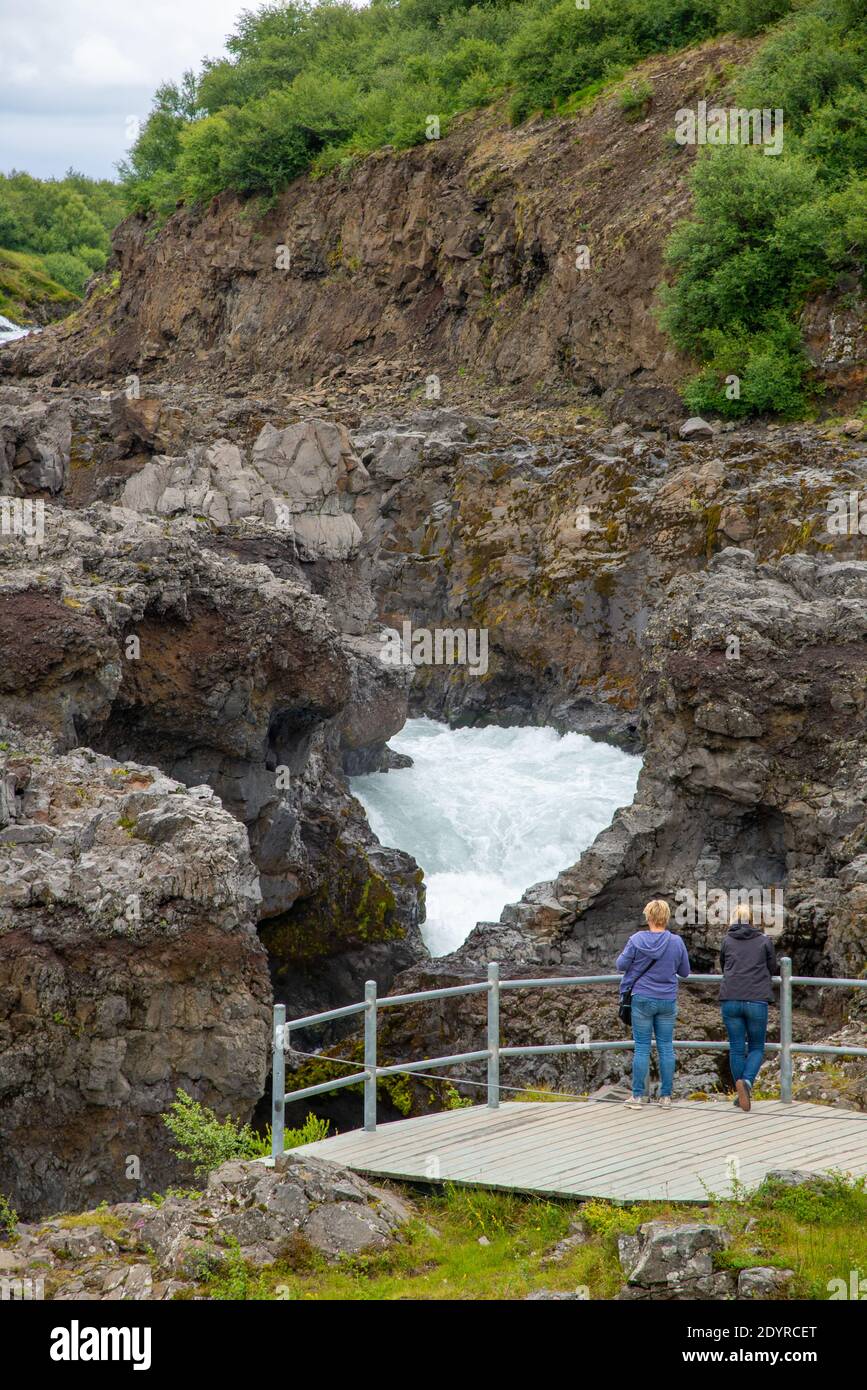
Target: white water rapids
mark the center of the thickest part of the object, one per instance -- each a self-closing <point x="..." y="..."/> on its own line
<point x="488" y="812"/>
<point x="9" y="331"/>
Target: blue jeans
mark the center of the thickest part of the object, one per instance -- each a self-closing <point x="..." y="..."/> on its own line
<point x="653" y="1017"/>
<point x="746" y="1022"/>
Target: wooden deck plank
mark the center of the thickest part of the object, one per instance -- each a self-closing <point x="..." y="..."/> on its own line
<point x="591" y="1149"/>
<point x="694" y="1148"/>
<point x="744" y="1138"/>
<point x="711" y="1170"/>
<point x="569" y="1147"/>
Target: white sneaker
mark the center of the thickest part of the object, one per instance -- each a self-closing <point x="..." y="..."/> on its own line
<point x="665" y="1102"/>
<point x="634" y="1103"/>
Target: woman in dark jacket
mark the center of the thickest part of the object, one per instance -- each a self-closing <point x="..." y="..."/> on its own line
<point x="749" y="962"/>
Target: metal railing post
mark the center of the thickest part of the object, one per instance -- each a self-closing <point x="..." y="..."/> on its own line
<point x="278" y="1079"/>
<point x="786" y="1030"/>
<point x="493" y="1035"/>
<point x="370" y="1056"/>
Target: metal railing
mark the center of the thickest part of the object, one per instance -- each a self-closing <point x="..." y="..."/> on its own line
<point x="493" y="987"/>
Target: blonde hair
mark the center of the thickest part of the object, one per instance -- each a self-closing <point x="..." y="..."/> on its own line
<point x="742" y="913"/>
<point x="658" y="912"/>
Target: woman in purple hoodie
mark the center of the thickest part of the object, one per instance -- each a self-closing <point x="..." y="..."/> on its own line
<point x="652" y="962"/>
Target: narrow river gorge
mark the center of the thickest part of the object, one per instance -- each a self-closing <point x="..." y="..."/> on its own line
<point x="210" y="774"/>
<point x="487" y="812"/>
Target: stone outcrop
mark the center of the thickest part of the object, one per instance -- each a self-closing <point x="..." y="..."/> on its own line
<point x="753" y="775"/>
<point x="670" y="1262"/>
<point x="303" y="480"/>
<point x="763" y="1282"/>
<point x="129" y="966"/>
<point x="195" y="634"/>
<point x="132" y="636"/>
<point x="35" y="446"/>
<point x="261" y="1208"/>
<point x="561" y="547"/>
<point x="294" y="1210"/>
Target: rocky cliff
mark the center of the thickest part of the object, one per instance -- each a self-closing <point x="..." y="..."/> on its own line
<point x="753" y="717"/>
<point x="520" y="258"/>
<point x="399" y="395"/>
<point x="203" y="631"/>
<point x="129" y="966"/>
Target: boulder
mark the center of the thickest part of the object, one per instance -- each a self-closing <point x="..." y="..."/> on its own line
<point x="676" y="1262"/>
<point x="695" y="428"/>
<point x="264" y="1208"/>
<point x="762" y="1282"/>
<point x="35" y="444"/>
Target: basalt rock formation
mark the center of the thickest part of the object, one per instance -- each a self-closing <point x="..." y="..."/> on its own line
<point x="129" y="966"/>
<point x="207" y="620"/>
<point x="561" y="543"/>
<point x="208" y="599"/>
<point x="753" y="722"/>
<point x="753" y="714"/>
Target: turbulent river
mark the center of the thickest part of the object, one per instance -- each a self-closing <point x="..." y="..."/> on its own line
<point x="488" y="812"/>
<point x="10" y="331"/>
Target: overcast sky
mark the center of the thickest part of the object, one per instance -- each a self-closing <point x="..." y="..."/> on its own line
<point x="73" y="73"/>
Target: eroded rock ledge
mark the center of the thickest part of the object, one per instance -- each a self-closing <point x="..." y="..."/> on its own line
<point x="180" y="636"/>
<point x="129" y="966"/>
<point x="754" y="773"/>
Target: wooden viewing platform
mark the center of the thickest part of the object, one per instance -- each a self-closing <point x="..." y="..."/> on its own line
<point x="602" y="1149"/>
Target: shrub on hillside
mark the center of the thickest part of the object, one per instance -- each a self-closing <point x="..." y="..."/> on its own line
<point x="71" y="271"/>
<point x="206" y="1141"/>
<point x="748" y="17"/>
<point x="769" y="230"/>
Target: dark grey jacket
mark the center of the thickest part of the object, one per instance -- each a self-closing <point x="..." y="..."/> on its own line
<point x="748" y="961"/>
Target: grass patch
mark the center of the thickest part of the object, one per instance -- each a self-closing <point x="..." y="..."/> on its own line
<point x="25" y="286"/>
<point x="109" y="1224"/>
<point x="470" y="1243"/>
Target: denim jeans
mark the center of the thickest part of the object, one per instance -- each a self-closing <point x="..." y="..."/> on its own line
<point x="746" y="1022"/>
<point x="653" y="1017"/>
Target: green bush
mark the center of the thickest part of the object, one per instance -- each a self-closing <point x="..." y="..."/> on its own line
<point x="8" y="1219"/>
<point x="314" y="84"/>
<point x="206" y="1141"/>
<point x="835" y="139"/>
<point x="832" y="1198"/>
<point x="767" y="231"/>
<point x="69" y="270"/>
<point x="770" y="370"/>
<point x="635" y="100"/>
<point x="805" y="63"/>
<point x="759" y="235"/>
<point x="203" y="1139"/>
<point x="751" y="16"/>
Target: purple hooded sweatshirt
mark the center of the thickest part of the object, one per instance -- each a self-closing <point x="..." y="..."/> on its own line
<point x="669" y="957"/>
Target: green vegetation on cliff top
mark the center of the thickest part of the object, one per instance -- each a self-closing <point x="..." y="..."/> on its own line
<point x="770" y="231"/>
